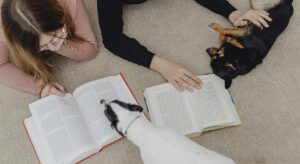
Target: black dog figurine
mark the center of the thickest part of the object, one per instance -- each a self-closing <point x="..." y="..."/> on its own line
<point x="243" y="48"/>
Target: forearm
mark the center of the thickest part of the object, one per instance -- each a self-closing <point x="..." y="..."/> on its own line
<point x="111" y="22"/>
<point x="12" y="76"/>
<point x="78" y="50"/>
<point x="222" y="7"/>
<point x="129" y="49"/>
<point x="87" y="49"/>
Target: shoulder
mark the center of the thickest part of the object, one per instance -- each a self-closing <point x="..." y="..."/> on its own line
<point x="71" y="6"/>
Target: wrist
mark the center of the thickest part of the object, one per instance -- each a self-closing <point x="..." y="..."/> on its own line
<point x="156" y="63"/>
<point x="234" y="16"/>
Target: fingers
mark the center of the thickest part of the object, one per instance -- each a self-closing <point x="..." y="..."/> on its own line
<point x="193" y="77"/>
<point x="253" y="19"/>
<point x="185" y="80"/>
<point x="190" y="82"/>
<point x="57" y="92"/>
<point x="176" y="74"/>
<point x="259" y="18"/>
<point x="183" y="84"/>
<point x="265" y="15"/>
<point x="240" y="22"/>
<point x="177" y="86"/>
<point x="263" y="12"/>
<point x="45" y="91"/>
<point x="55" y="89"/>
<point x="59" y="87"/>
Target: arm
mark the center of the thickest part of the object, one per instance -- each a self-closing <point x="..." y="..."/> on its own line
<point x="237" y="18"/>
<point x="85" y="50"/>
<point x="111" y="23"/>
<point x="222" y="7"/>
<point x="12" y="76"/>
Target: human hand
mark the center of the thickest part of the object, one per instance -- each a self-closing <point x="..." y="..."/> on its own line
<point x="177" y="75"/>
<point x="260" y="18"/>
<point x="55" y="41"/>
<point x="54" y="88"/>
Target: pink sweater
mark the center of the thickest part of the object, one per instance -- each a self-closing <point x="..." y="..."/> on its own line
<point x="12" y="76"/>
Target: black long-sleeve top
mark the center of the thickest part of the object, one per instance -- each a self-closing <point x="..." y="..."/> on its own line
<point x="111" y="23"/>
<point x="222" y="7"/>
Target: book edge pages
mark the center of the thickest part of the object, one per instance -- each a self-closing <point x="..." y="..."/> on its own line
<point x="30" y="139"/>
<point x="197" y="134"/>
<point x="102" y="147"/>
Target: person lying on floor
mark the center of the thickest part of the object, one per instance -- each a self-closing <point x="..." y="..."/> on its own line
<point x="111" y="24"/>
<point x="31" y="30"/>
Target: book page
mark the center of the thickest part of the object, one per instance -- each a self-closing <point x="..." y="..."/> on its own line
<point x="88" y="97"/>
<point x="170" y="108"/>
<point x="191" y="113"/>
<point x="62" y="128"/>
<point x="213" y="105"/>
<point x="39" y="147"/>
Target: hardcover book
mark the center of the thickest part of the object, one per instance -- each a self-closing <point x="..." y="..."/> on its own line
<point x="71" y="128"/>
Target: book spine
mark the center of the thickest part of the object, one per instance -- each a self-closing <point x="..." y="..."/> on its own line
<point x="137" y="102"/>
<point x="129" y="88"/>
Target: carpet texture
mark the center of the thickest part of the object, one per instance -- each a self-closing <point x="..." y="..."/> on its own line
<point x="267" y="99"/>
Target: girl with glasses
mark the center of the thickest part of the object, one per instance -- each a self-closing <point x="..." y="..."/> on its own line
<point x="31" y="30"/>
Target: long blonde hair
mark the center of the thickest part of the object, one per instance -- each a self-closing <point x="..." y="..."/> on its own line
<point x="23" y="21"/>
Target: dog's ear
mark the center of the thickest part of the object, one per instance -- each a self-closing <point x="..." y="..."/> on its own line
<point x="122" y="104"/>
<point x="135" y="108"/>
<point x="111" y="116"/>
<point x="130" y="107"/>
<point x="228" y="83"/>
<point x="212" y="52"/>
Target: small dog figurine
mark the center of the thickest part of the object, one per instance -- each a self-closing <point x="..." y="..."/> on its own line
<point x="243" y="48"/>
<point x="157" y="145"/>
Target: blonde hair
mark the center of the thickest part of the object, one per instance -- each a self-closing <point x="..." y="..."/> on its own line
<point x="23" y="21"/>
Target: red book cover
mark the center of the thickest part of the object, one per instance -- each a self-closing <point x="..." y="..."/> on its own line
<point x="103" y="146"/>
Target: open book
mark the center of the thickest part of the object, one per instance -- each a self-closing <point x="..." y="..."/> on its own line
<point x="192" y="113"/>
<point x="71" y="128"/>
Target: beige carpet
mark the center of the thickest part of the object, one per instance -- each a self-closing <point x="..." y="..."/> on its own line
<point x="267" y="99"/>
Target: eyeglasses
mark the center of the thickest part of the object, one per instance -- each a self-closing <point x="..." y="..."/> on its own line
<point x="56" y="40"/>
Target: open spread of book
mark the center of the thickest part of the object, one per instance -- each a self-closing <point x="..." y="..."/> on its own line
<point x="71" y="128"/>
<point x="192" y="113"/>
